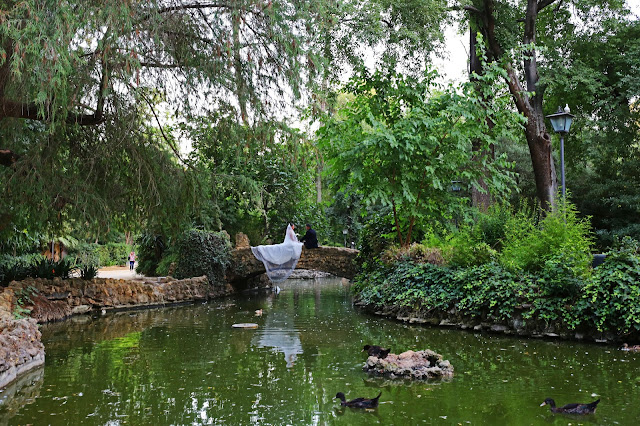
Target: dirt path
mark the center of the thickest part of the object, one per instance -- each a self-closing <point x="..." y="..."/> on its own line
<point x="119" y="272"/>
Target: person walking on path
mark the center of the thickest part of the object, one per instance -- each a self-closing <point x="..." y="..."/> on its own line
<point x="310" y="239"/>
<point x="132" y="259"/>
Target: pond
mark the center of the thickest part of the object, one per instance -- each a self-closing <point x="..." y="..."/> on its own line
<point x="187" y="365"/>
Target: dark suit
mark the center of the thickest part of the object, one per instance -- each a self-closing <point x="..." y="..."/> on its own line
<point x="310" y="239"/>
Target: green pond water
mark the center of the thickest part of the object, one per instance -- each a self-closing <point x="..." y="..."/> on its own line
<point x="187" y="365"/>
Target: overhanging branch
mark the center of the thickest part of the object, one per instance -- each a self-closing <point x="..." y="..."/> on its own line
<point x="544" y="3"/>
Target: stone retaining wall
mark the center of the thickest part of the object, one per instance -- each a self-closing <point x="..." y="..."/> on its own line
<point x="516" y="326"/>
<point x="20" y="346"/>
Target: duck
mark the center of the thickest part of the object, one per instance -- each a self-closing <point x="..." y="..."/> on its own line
<point x="258" y="312"/>
<point x="376" y="351"/>
<point x="634" y="348"/>
<point x="574" y="408"/>
<point x="358" y="402"/>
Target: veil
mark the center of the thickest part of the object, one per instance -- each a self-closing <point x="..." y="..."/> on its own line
<point x="280" y="259"/>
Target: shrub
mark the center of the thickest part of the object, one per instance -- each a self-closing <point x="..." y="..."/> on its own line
<point x="491" y="226"/>
<point x="490" y="290"/>
<point x="485" y="289"/>
<point x="43" y="268"/>
<point x="88" y="272"/>
<point x="555" y="294"/>
<point x="88" y="257"/>
<point x="87" y="262"/>
<point x="15" y="268"/>
<point x="118" y="254"/>
<point x="461" y="248"/>
<point x="611" y="298"/>
<point x="529" y="244"/>
<point x="558" y="293"/>
<point x="170" y="257"/>
<point x="24" y="297"/>
<point x="151" y="247"/>
<point x="64" y="267"/>
<point x="109" y="254"/>
<point x="47" y="268"/>
<point x="203" y="253"/>
<point x="112" y="254"/>
<point x="468" y="251"/>
<point x="375" y="237"/>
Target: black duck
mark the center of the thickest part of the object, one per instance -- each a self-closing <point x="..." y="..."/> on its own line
<point x="376" y="351"/>
<point x="358" y="402"/>
<point x="574" y="408"/>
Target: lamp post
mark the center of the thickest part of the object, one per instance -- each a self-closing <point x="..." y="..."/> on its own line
<point x="345" y="232"/>
<point x="561" y="122"/>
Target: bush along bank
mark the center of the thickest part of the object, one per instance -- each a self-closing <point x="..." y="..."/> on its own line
<point x="554" y="301"/>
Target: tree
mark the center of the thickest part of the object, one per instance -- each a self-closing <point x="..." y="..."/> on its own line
<point x="498" y="22"/>
<point x="256" y="177"/>
<point x="402" y="143"/>
<point x="599" y="81"/>
<point x="76" y="178"/>
<point x="100" y="76"/>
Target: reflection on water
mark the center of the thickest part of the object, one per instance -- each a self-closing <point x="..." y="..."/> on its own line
<point x="187" y="365"/>
<point x="279" y="333"/>
<point x="20" y="392"/>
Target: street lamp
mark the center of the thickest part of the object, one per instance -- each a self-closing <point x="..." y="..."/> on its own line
<point x="345" y="232"/>
<point x="561" y="122"/>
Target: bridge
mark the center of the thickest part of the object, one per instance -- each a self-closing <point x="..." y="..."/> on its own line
<point x="338" y="261"/>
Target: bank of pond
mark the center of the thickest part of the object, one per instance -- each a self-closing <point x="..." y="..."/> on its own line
<point x="602" y="305"/>
<point x="187" y="365"/>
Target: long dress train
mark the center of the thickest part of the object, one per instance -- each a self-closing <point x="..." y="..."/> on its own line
<point x="280" y="259"/>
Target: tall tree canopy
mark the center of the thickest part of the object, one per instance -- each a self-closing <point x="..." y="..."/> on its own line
<point x="255" y="177"/>
<point x="92" y="90"/>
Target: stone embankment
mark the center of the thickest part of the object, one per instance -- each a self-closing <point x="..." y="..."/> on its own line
<point x="20" y="348"/>
<point x="49" y="300"/>
<point x="518" y="325"/>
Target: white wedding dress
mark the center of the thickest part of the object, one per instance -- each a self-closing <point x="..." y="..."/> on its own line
<point x="280" y="259"/>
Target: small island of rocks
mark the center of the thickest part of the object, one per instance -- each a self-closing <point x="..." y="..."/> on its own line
<point x="420" y="365"/>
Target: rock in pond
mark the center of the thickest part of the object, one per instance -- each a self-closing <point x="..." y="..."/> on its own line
<point x="419" y="365"/>
<point x="245" y="325"/>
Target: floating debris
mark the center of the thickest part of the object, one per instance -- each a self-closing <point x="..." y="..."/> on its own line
<point x="245" y="325"/>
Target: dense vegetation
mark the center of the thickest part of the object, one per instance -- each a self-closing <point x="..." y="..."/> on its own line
<point x="166" y="122"/>
<point x="539" y="269"/>
<point x="37" y="266"/>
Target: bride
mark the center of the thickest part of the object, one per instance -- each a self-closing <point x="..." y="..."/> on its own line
<point x="280" y="259"/>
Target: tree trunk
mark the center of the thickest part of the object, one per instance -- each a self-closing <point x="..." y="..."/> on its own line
<point x="319" y="181"/>
<point x="529" y="106"/>
<point x="479" y="199"/>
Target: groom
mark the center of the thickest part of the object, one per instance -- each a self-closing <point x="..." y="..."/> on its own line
<point x="310" y="239"/>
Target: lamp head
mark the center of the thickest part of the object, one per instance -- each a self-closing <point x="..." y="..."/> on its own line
<point x="561" y="120"/>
